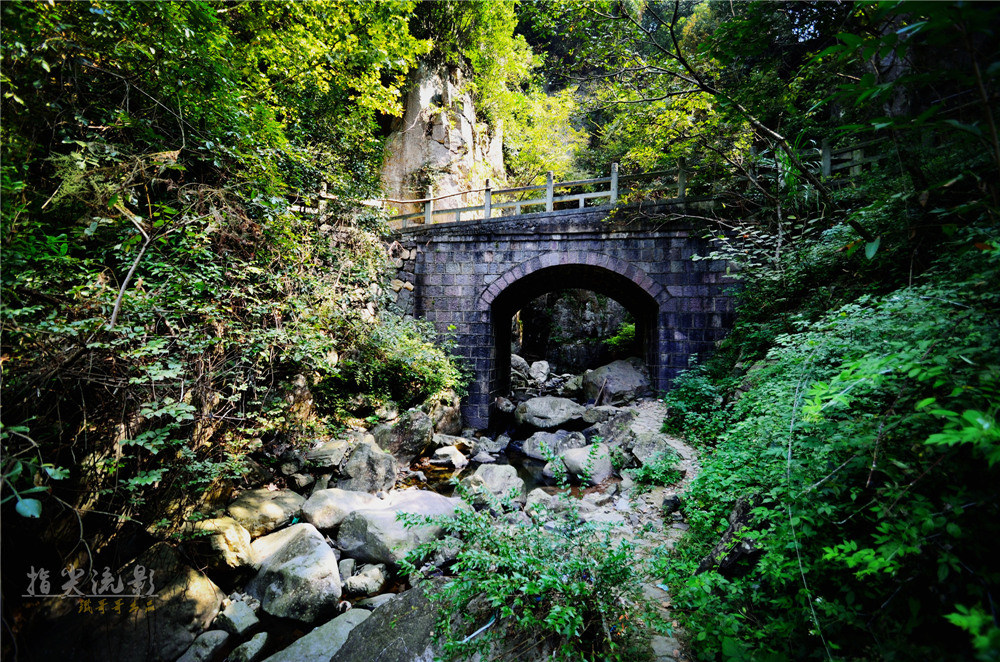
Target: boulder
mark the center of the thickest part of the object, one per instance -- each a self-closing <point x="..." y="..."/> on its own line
<point x="206" y="648"/>
<point x="483" y="458"/>
<point x="547" y="412"/>
<point x="323" y="643"/>
<point x="229" y="542"/>
<point x="505" y="406"/>
<point x="298" y="577"/>
<point x="578" y="459"/>
<point x="539" y="371"/>
<point x="518" y="364"/>
<point x="445" y="414"/>
<point x="377" y="536"/>
<point x="449" y="456"/>
<point x="407" y="437"/>
<point x="497" y="479"/>
<point x="556" y="442"/>
<point x="262" y="511"/>
<point x="346" y="567"/>
<point x="327" y="508"/>
<point x="329" y="455"/>
<point x="400" y="630"/>
<point x="487" y="445"/>
<point x="464" y="444"/>
<point x="616" y="383"/>
<point x="648" y="445"/>
<point x="599" y="414"/>
<point x="238" y="618"/>
<point x="249" y="651"/>
<point x="369" y="580"/>
<point x="572" y="387"/>
<point x="368" y="469"/>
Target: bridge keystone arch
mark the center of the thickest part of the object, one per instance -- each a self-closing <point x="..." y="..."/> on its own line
<point x="469" y="279"/>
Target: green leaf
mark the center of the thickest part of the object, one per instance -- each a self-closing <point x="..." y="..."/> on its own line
<point x="872" y="247"/>
<point x="29" y="508"/>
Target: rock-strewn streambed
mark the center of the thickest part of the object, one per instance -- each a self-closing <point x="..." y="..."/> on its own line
<point x="311" y="570"/>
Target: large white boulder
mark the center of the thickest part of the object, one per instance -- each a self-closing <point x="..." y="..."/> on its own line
<point x="299" y="577"/>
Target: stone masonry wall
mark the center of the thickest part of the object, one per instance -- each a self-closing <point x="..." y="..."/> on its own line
<point x="460" y="272"/>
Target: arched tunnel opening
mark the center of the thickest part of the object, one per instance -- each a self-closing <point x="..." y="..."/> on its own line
<point x="640" y="306"/>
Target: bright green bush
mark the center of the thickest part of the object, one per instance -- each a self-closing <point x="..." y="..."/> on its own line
<point x="552" y="581"/>
<point x="870" y="436"/>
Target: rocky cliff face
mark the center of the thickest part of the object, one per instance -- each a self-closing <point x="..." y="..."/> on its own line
<point x="440" y="144"/>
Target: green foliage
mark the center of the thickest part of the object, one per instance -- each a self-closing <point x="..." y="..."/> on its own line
<point x="158" y="291"/>
<point x="624" y="338"/>
<point x="661" y="469"/>
<point x="398" y="361"/>
<point x="870" y="434"/>
<point x="552" y="580"/>
<point x="694" y="407"/>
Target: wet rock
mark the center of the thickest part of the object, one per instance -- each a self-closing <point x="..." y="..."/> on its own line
<point x="377" y="536"/>
<point x="593" y="461"/>
<point x="229" y="542"/>
<point x="206" y="648"/>
<point x="555" y="442"/>
<point x="328" y="508"/>
<point x="369" y="580"/>
<point x="407" y="438"/>
<point x="547" y="412"/>
<point x="325" y="642"/>
<point x="249" y="651"/>
<point x="449" y="456"/>
<point x="617" y="383"/>
<point x="262" y="511"/>
<point x="368" y="469"/>
<point x="238" y="618"/>
<point x="497" y="479"/>
<point x="298" y="577"/>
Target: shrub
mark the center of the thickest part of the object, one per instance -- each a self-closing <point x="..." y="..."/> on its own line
<point x="552" y="580"/>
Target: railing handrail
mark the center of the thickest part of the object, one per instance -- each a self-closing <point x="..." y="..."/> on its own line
<point x="832" y="160"/>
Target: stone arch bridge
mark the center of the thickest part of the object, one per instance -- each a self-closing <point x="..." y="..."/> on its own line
<point x="470" y="278"/>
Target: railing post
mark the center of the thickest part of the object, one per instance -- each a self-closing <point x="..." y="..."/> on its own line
<point x="681" y="178"/>
<point x="614" y="184"/>
<point x="549" y="187"/>
<point x="429" y="206"/>
<point x="321" y="204"/>
<point x="856" y="157"/>
<point x="827" y="158"/>
<point x="487" y="200"/>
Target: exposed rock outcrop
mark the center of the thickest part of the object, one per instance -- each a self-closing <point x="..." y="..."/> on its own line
<point x="440" y="143"/>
